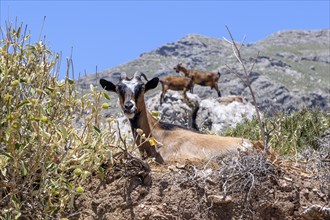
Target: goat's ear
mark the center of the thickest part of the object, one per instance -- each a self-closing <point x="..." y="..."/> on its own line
<point x="109" y="86"/>
<point x="151" y="84"/>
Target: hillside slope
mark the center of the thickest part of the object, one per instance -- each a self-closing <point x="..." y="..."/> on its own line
<point x="291" y="71"/>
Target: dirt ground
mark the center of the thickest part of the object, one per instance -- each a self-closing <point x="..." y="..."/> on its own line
<point x="233" y="187"/>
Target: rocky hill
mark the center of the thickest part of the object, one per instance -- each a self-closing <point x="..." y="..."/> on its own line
<point x="291" y="71"/>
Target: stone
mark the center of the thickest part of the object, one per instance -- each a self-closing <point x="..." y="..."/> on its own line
<point x="217" y="115"/>
<point x="219" y="199"/>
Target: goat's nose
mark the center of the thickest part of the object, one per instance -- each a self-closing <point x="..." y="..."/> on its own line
<point x="128" y="105"/>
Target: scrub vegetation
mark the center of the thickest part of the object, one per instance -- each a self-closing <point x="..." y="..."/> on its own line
<point x="45" y="157"/>
<point x="60" y="157"/>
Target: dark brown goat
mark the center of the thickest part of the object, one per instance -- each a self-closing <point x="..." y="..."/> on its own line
<point x="176" y="83"/>
<point x="202" y="78"/>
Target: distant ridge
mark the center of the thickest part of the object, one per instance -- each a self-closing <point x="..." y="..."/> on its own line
<point x="292" y="70"/>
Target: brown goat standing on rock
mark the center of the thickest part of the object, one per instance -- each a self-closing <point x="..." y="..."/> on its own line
<point x="177" y="144"/>
<point x="199" y="77"/>
<point x="176" y="83"/>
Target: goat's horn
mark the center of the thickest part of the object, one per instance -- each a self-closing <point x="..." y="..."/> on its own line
<point x="144" y="76"/>
<point x="137" y="75"/>
<point x="123" y="76"/>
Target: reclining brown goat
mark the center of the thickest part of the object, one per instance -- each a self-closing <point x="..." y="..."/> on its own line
<point x="202" y="78"/>
<point x="176" y="83"/>
<point x="177" y="143"/>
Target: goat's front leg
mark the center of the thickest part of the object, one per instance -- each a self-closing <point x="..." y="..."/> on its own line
<point x="162" y="95"/>
<point x="216" y="87"/>
<point x="192" y="89"/>
<point x="161" y="98"/>
<point x="185" y="95"/>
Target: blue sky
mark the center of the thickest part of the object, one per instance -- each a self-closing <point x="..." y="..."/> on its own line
<point x="109" y="33"/>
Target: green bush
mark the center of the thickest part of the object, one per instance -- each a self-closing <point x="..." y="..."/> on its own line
<point x="289" y="133"/>
<point x="51" y="137"/>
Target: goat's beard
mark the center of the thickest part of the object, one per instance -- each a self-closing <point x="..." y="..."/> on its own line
<point x="130" y="115"/>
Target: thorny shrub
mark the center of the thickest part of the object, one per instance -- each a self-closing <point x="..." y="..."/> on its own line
<point x="245" y="173"/>
<point x="51" y="138"/>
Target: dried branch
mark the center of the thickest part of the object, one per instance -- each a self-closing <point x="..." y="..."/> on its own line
<point x="122" y="140"/>
<point x="247" y="81"/>
<point x="245" y="174"/>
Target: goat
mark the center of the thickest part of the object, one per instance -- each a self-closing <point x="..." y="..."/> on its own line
<point x="230" y="99"/>
<point x="177" y="143"/>
<point x="175" y="83"/>
<point x="199" y="77"/>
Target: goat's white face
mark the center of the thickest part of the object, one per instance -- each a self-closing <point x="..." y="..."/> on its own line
<point x="131" y="93"/>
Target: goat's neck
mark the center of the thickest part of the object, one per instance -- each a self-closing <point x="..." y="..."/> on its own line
<point x="153" y="122"/>
<point x="157" y="131"/>
<point x="184" y="70"/>
<point x="140" y="121"/>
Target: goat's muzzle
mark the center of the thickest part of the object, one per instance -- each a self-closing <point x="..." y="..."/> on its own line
<point x="129" y="109"/>
<point x="129" y="106"/>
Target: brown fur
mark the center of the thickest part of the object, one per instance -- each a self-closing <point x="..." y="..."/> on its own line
<point x="202" y="78"/>
<point x="175" y="83"/>
<point x="180" y="144"/>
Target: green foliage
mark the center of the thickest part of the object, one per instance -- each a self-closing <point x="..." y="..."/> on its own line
<point x="248" y="129"/>
<point x="51" y="138"/>
<point x="289" y="133"/>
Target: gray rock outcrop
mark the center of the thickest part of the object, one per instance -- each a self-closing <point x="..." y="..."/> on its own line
<point x="213" y="115"/>
<point x="217" y="115"/>
<point x="175" y="109"/>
